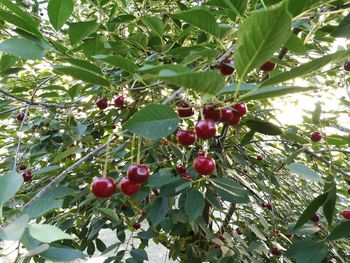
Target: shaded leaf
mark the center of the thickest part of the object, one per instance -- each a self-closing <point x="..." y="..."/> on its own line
<point x="23" y="48"/>
<point x="59" y="11"/>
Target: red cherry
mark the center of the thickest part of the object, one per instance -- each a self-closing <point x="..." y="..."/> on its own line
<point x="27" y="176"/>
<point x="138" y="173"/>
<point x="20" y="116"/>
<point x="206" y="129"/>
<point x="103" y="187"/>
<point x="235" y="120"/>
<point x="136" y="226"/>
<point x="268" y="66"/>
<point x="226" y="115"/>
<point x="144" y="213"/>
<point x="186" y="138"/>
<point x="222" y="238"/>
<point x="186" y="176"/>
<point x="204" y="165"/>
<point x="241" y="109"/>
<point x="113" y="126"/>
<point x="201" y="153"/>
<point x="216" y="246"/>
<point x="316" y="136"/>
<point x="119" y="101"/>
<point x="259" y="158"/>
<point x="181" y="168"/>
<point x="128" y="187"/>
<point x="239" y="231"/>
<point x="184" y="109"/>
<point x="165" y="142"/>
<point x="22" y="167"/>
<point x="349" y="191"/>
<point x="289" y="235"/>
<point x="347" y="66"/>
<point x="276" y="251"/>
<point x="346" y="214"/>
<point x="267" y="206"/>
<point x="102" y="104"/>
<point x="211" y="113"/>
<point x="226" y="67"/>
<point x="314" y="218"/>
<point x="276" y="232"/>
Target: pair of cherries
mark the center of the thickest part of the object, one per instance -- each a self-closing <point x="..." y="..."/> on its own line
<point x="103" y="103"/>
<point x="226" y="67"/>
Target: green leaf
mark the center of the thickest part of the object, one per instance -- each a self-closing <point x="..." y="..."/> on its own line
<point x="84" y="64"/>
<point x="329" y="204"/>
<point x="119" y="61"/>
<point x="80" y="30"/>
<point x="155" y="24"/>
<point x="307" y="251"/>
<point x="41" y="207"/>
<point x="272" y="91"/>
<point x="343" y="30"/>
<point x="139" y="254"/>
<point x="263" y="127"/>
<point x="311" y="209"/>
<point x="230" y="191"/>
<point x="257" y="232"/>
<point x="59" y="11"/>
<point x="59" y="191"/>
<point x="296" y="7"/>
<point x="194" y="204"/>
<point x="10" y="183"/>
<point x="161" y="178"/>
<point x="15" y="229"/>
<point x="201" y="18"/>
<point x="158" y="210"/>
<point x="59" y="157"/>
<point x="304" y="172"/>
<point x="38" y="250"/>
<point x="58" y="254"/>
<point x="154" y="121"/>
<point x="47" y="233"/>
<point x="295" y="45"/>
<point x="110" y="214"/>
<point x="340" y="231"/>
<point x="81" y="74"/>
<point x="259" y="37"/>
<point x="47" y="169"/>
<point x="306" y="68"/>
<point x="23" y="48"/>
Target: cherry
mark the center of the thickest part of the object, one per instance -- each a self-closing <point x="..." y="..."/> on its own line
<point x="276" y="232"/>
<point x="138" y="173"/>
<point x="102" y="104"/>
<point x="211" y="113"/>
<point x="128" y="187"/>
<point x="20" y="116"/>
<point x="268" y="66"/>
<point x="186" y="176"/>
<point x="347" y="66"/>
<point x="235" y="120"/>
<point x="186" y="138"/>
<point x="267" y="205"/>
<point x="22" y="167"/>
<point x="27" y="176"/>
<point x="204" y="165"/>
<point x="289" y="235"/>
<point x="349" y="191"/>
<point x="114" y="126"/>
<point x="216" y="246"/>
<point x="259" y="158"/>
<point x="206" y="129"/>
<point x="240" y="108"/>
<point x="226" y="115"/>
<point x="165" y="142"/>
<point x="346" y="214"/>
<point x="144" y="213"/>
<point x="315" y="218"/>
<point x="239" y="231"/>
<point x="136" y="226"/>
<point x="184" y="109"/>
<point x="316" y="136"/>
<point x="276" y="251"/>
<point x="222" y="238"/>
<point x="226" y="67"/>
<point x="181" y="168"/>
<point x="201" y="153"/>
<point x="119" y="101"/>
<point x="103" y="187"/>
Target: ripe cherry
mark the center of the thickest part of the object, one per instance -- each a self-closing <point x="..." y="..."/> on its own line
<point x="27" y="176"/>
<point x="316" y="136"/>
<point x="314" y="218"/>
<point x="222" y="238"/>
<point x="216" y="246"/>
<point x="138" y="173"/>
<point x="186" y="138"/>
<point x="226" y="67"/>
<point x="239" y="231"/>
<point x="267" y="206"/>
<point x="144" y="213"/>
<point x="259" y="158"/>
<point x="184" y="109"/>
<point x="201" y="153"/>
<point x="181" y="168"/>
<point x="128" y="187"/>
<point x="204" y="165"/>
<point x="186" y="176"/>
<point x="235" y="120"/>
<point x="268" y="66"/>
<point x="165" y="142"/>
<point x="20" y="116"/>
<point x="136" y="226"/>
<point x="276" y="251"/>
<point x="206" y="129"/>
<point x="22" y="167"/>
<point x="240" y="108"/>
<point x="210" y="112"/>
<point x="114" y="126"/>
<point x="346" y="214"/>
<point x="226" y="115"/>
<point x="349" y="191"/>
<point x="102" y="104"/>
<point x="347" y="66"/>
<point x="119" y="101"/>
<point x="289" y="235"/>
<point x="103" y="187"/>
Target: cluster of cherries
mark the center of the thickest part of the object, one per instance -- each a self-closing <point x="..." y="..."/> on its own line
<point x="226" y="67"/>
<point x="117" y="102"/>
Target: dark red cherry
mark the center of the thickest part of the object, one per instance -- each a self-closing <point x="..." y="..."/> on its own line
<point x="235" y="120"/>
<point x="144" y="213"/>
<point x="113" y="126"/>
<point x="136" y="226"/>
<point x="165" y="142"/>
<point x="240" y="108"/>
<point x="181" y="168"/>
<point x="347" y="66"/>
<point x="314" y="218"/>
<point x="226" y="67"/>
<point x="138" y="173"/>
<point x="276" y="251"/>
<point x="210" y="112"/>
<point x="119" y="101"/>
<point x="289" y="235"/>
<point x="201" y="153"/>
<point x="22" y="167"/>
<point x="349" y="191"/>
<point x="103" y="187"/>
<point x="184" y="109"/>
<point x="222" y="238"/>
<point x="346" y="214"/>
<point x="186" y="138"/>
<point x="204" y="165"/>
<point x="239" y="231"/>
<point x="186" y="176"/>
<point x="128" y="187"/>
<point x="20" y="116"/>
<point x="205" y="129"/>
<point x="259" y="158"/>
<point x="316" y="136"/>
<point x="216" y="246"/>
<point x="27" y="176"/>
<point x="226" y="115"/>
<point x="268" y="66"/>
<point x="102" y="104"/>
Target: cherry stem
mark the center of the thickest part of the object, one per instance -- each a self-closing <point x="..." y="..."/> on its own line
<point x="107" y="155"/>
<point x="132" y="149"/>
<point x="139" y="151"/>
